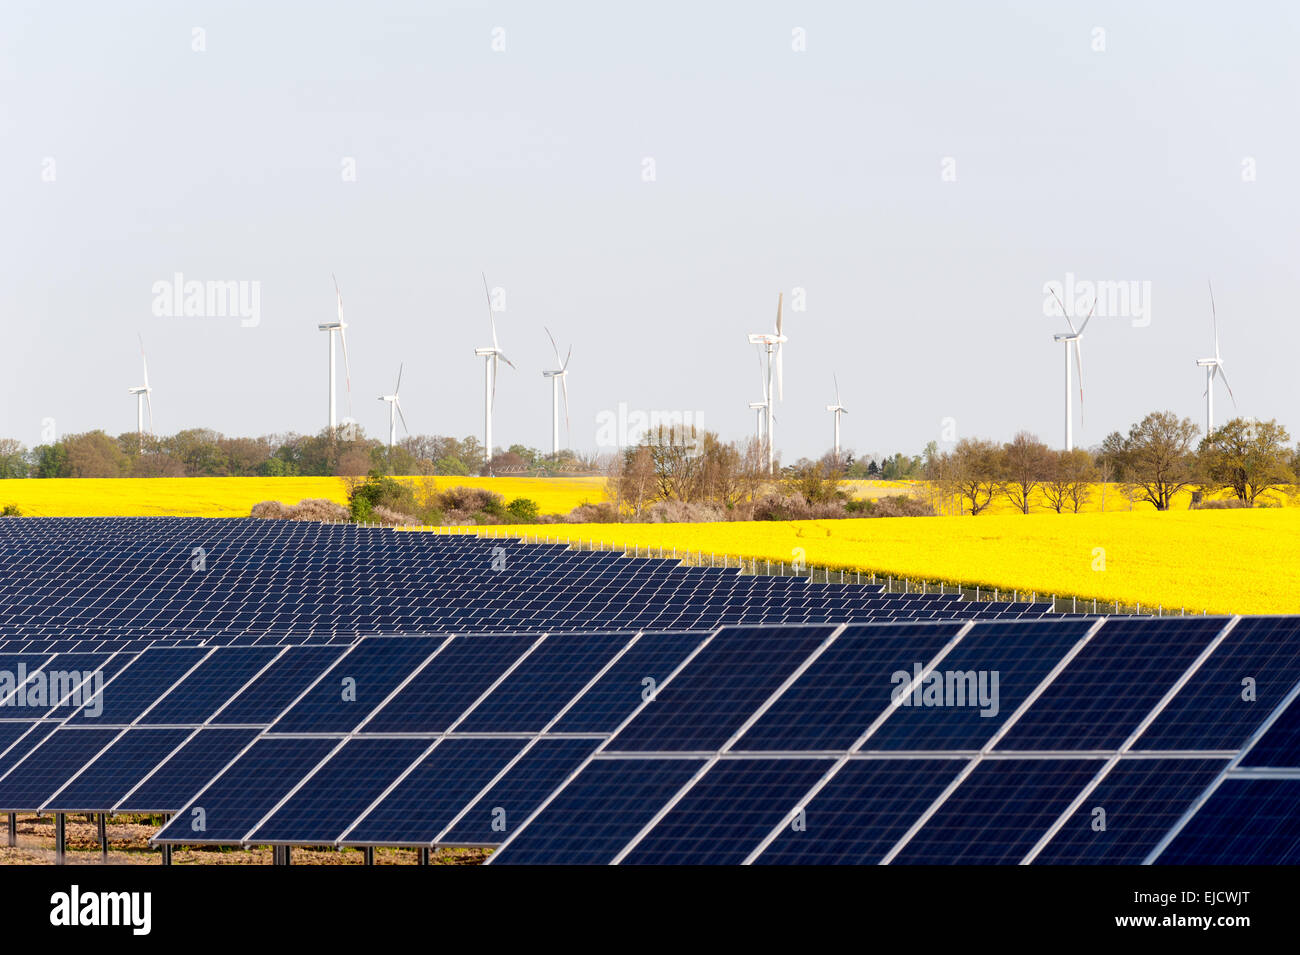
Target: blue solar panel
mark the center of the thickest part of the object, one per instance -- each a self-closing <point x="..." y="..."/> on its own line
<point x="618" y="693"/>
<point x="340" y="791"/>
<point x="10" y="732"/>
<point x="271" y="693"/>
<point x="69" y="680"/>
<point x="999" y="812"/>
<point x="29" y="783"/>
<point x="543" y="683"/>
<point x="726" y="814"/>
<point x="1234" y="690"/>
<point x="848" y="686"/>
<point x="211" y="685"/>
<point x="1126" y="816"/>
<point x="720" y="688"/>
<point x="862" y="812"/>
<point x="946" y="712"/>
<point x="510" y="801"/>
<point x="116" y="771"/>
<point x="136" y="688"/>
<point x="357" y="684"/>
<point x="1279" y="747"/>
<point x="178" y="779"/>
<point x="1245" y="822"/>
<point x="596" y="815"/>
<point x="452" y="681"/>
<point x="430" y="796"/>
<point x="236" y="801"/>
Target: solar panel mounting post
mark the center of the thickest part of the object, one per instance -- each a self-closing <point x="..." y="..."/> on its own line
<point x="369" y="853"/>
<point x="60" y="837"/>
<point x="103" y="838"/>
<point x="13" y="829"/>
<point x="424" y="856"/>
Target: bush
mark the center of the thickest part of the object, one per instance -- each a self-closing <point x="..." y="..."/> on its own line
<point x="379" y="490"/>
<point x="1227" y="504"/>
<point x="11" y="510"/>
<point x="899" y="505"/>
<point x="392" y="518"/>
<point x="683" y="512"/>
<point x="311" y="509"/>
<point x="603" y="513"/>
<point x="523" y="510"/>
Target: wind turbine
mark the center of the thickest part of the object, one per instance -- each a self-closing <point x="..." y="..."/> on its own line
<point x="395" y="405"/>
<point x="1213" y="368"/>
<point x="331" y="328"/>
<point x="773" y="345"/>
<point x="559" y="378"/>
<point x="1075" y="338"/>
<point x="758" y="408"/>
<point x="141" y="393"/>
<point x="837" y="409"/>
<point x="490" y="356"/>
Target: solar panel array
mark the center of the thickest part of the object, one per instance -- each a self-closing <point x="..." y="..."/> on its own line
<point x="255" y="581"/>
<point x="867" y="743"/>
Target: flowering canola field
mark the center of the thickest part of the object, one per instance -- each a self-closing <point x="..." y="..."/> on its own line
<point x="235" y="496"/>
<point x="1223" y="561"/>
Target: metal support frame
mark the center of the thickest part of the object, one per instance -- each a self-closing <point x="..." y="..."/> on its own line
<point x="369" y="853"/>
<point x="13" y="829"/>
<point x="103" y="838"/>
<point x="60" y="837"/>
<point x="424" y="856"/>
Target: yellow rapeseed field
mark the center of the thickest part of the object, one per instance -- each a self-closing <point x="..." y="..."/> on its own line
<point x="235" y="496"/>
<point x="1223" y="561"/>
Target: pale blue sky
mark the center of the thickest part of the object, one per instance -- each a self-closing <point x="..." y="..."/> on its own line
<point x="775" y="169"/>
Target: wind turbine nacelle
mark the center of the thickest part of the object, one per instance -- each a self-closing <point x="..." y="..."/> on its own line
<point x="1064" y="337"/>
<point x="330" y="326"/>
<point x="485" y="352"/>
<point x="1207" y="362"/>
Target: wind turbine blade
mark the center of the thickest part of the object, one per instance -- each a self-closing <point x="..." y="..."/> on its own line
<point x="835" y="378"/>
<point x="1089" y="318"/>
<point x="762" y="375"/>
<point x="144" y="361"/>
<point x="398" y="405"/>
<point x="554" y="347"/>
<point x="779" y="296"/>
<point x="149" y="404"/>
<point x="565" y="366"/>
<point x="507" y="360"/>
<point x="1214" y="317"/>
<point x="338" y="296"/>
<point x="780" y="374"/>
<point x="491" y="318"/>
<point x="397" y="390"/>
<point x="1064" y="311"/>
<point x="347" y="369"/>
<point x="492" y="404"/>
<point x="1078" y="364"/>
<point x="1220" y="370"/>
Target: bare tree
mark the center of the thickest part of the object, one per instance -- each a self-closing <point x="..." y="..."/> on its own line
<point x="1157" y="454"/>
<point x="969" y="472"/>
<point x="1026" y="461"/>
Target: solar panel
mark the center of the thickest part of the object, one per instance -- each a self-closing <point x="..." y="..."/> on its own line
<point x="548" y="678"/>
<point x="613" y="698"/>
<point x="452" y="681"/>
<point x="282" y="682"/>
<point x="848" y="686"/>
<point x="234" y="802"/>
<point x="115" y="771"/>
<point x="426" y="800"/>
<point x="211" y="684"/>
<point x="134" y="689"/>
<point x="1245" y="822"/>
<point x="998" y="812"/>
<point x="522" y="787"/>
<point x="1279" y="747"/>
<point x="29" y="783"/>
<point x="597" y="814"/>
<point x="357" y="684"/>
<point x="339" y="791"/>
<point x="727" y="812"/>
<point x="177" y="779"/>
<point x="1124" y="818"/>
<point x="858" y="816"/>
<point x="723" y="685"/>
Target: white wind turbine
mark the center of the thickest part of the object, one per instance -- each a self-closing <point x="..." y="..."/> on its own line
<point x="1213" y="368"/>
<point x="395" y="408"/>
<point x="1075" y="338"/>
<point x="142" y="398"/>
<point x="490" y="356"/>
<point x="758" y="407"/>
<point x="559" y="379"/>
<point x="773" y="345"/>
<point x="331" y="328"/>
<point x="837" y="409"/>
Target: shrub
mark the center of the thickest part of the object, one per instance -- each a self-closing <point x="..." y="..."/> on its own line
<point x="11" y="510"/>
<point x="311" y="509"/>
<point x="379" y="490"/>
<point x="523" y="510"/>
<point x="604" y="512"/>
<point x="683" y="512"/>
<point x="384" y="515"/>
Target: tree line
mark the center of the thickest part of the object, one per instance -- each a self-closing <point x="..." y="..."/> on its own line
<point x="1156" y="460"/>
<point x="202" y="452"/>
